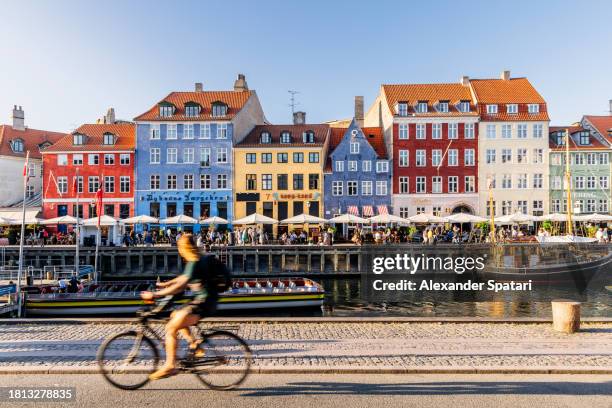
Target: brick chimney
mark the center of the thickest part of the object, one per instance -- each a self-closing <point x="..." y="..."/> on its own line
<point x="465" y="80"/>
<point x="505" y="75"/>
<point x="359" y="110"/>
<point x="299" y="118"/>
<point x="109" y="118"/>
<point x="240" y="84"/>
<point x="18" y="118"/>
<point x="198" y="87"/>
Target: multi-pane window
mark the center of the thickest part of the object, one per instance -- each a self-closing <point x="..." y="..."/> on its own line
<point x="285" y="137"/>
<point x="555" y="205"/>
<point x="533" y="108"/>
<point x="521" y="131"/>
<point x="282" y="157"/>
<point x="339" y="165"/>
<point x="171" y="182"/>
<point x="579" y="182"/>
<point x="421" y="158"/>
<point x="366" y="187"/>
<point x="421" y="184"/>
<point x="603" y="206"/>
<point x="313" y="181"/>
<point x="603" y="182"/>
<point x="265" y="138"/>
<point x="403" y="158"/>
<point x="108" y="139"/>
<point x="313" y="157"/>
<point x="354" y="148"/>
<point x="93" y="159"/>
<point x="591" y="206"/>
<point x="469" y="157"/>
<point x="77" y="159"/>
<point x="192" y="111"/>
<point x="591" y="183"/>
<point x="188" y="181"/>
<point x="93" y="184"/>
<point x="453" y="157"/>
<point x="205" y="181"/>
<point x="443" y="107"/>
<point x="366" y="166"/>
<point x="352" y="165"/>
<point x="171" y="133"/>
<point x="222" y="131"/>
<point x="351" y="188"/>
<point x="507" y="181"/>
<point x="79" y="184"/>
<point x="188" y="155"/>
<point x="124" y="159"/>
<point x="266" y="182"/>
<point x="221" y="180"/>
<point x="382" y="166"/>
<point x="205" y="156"/>
<point x="403" y="185"/>
<point x="538" y="207"/>
<point x="62" y="184"/>
<point x="604" y="158"/>
<point x="436" y="184"/>
<point x="337" y="188"/>
<point x="592" y="159"/>
<point x="506" y="207"/>
<point x="538" y="156"/>
<point x="506" y="131"/>
<point x="556" y="183"/>
<point x="171" y="155"/>
<point x="491" y="109"/>
<point x="522" y="180"/>
<point x="221" y="155"/>
<point x="538" y="131"/>
<point x="298" y="181"/>
<point x="436" y="131"/>
<point x="490" y="131"/>
<point x="166" y="111"/>
<point x="469" y="132"/>
<point x="266" y="158"/>
<point x="420" y="131"/>
<point x="453" y="132"/>
<point x="219" y="109"/>
<point x="403" y="131"/>
<point x="109" y="159"/>
<point x="205" y="131"/>
<point x="512" y="108"/>
<point x="188" y="131"/>
<point x="453" y="184"/>
<point x="521" y="155"/>
<point x="506" y="156"/>
<point x="522" y="207"/>
<point x="578" y="158"/>
<point x="436" y="157"/>
<point x="464" y="106"/>
<point x="251" y="158"/>
<point x="555" y="159"/>
<point x="490" y="156"/>
<point x="154" y="182"/>
<point x="109" y="184"/>
<point x="282" y="181"/>
<point x="298" y="157"/>
<point x="470" y="184"/>
<point x="402" y="109"/>
<point x="77" y="139"/>
<point x="381" y="187"/>
<point x="154" y="155"/>
<point x="124" y="184"/>
<point x="491" y="181"/>
<point x="538" y="180"/>
<point x="62" y="159"/>
<point x="421" y="107"/>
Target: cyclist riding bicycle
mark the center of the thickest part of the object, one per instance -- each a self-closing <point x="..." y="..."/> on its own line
<point x="198" y="274"/>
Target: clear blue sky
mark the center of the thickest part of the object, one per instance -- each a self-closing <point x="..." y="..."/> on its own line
<point x="67" y="61"/>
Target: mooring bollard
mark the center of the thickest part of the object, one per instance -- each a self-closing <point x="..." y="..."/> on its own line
<point x="566" y="315"/>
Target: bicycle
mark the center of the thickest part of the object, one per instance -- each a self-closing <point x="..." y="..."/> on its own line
<point x="225" y="354"/>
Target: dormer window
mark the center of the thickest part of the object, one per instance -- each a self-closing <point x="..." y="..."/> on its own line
<point x="402" y="109"/>
<point x="585" y="138"/>
<point x="192" y="110"/>
<point x="17" y="146"/>
<point x="421" y="107"/>
<point x="491" y="109"/>
<point x="443" y="106"/>
<point x="512" y="108"/>
<point x="308" y="136"/>
<point x="285" y="137"/>
<point x="266" y="138"/>
<point x="43" y="146"/>
<point x="464" y="106"/>
<point x="109" y="139"/>
<point x="78" y="139"/>
<point x="533" y="108"/>
<point x="560" y="135"/>
<point x="166" y="110"/>
<point x="219" y="109"/>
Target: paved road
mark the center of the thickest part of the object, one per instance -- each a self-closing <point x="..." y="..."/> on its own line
<point x="344" y="346"/>
<point x="354" y="391"/>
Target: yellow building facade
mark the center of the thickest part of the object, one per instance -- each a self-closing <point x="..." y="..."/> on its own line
<point x="278" y="172"/>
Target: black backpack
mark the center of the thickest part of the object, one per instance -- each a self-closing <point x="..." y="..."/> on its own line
<point x="217" y="276"/>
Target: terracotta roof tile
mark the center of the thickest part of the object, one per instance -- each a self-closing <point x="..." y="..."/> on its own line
<point x="432" y="93"/>
<point x="595" y="143"/>
<point x="125" y="138"/>
<point x="235" y="100"/>
<point x="374" y="135"/>
<point x="603" y="124"/>
<point x="33" y="140"/>
<point x="321" y="133"/>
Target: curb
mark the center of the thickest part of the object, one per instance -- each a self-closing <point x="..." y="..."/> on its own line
<point x="54" y="370"/>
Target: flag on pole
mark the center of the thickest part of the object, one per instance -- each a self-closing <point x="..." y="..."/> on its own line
<point x="75" y="184"/>
<point x="26" y="176"/>
<point x="99" y="195"/>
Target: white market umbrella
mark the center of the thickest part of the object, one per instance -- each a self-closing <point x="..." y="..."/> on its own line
<point x="595" y="217"/>
<point x="65" y="219"/>
<point x="105" y="220"/>
<point x="255" y="219"/>
<point x="464" y="218"/>
<point x="348" y="219"/>
<point x="387" y="219"/>
<point x="517" y="217"/>
<point x="6" y="221"/>
<point x="555" y="217"/>
<point x="426" y="218"/>
<point x="304" y="219"/>
<point x="140" y="219"/>
<point x="214" y="220"/>
<point x="179" y="219"/>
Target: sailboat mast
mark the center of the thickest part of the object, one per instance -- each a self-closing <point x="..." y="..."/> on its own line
<point x="568" y="188"/>
<point x="491" y="210"/>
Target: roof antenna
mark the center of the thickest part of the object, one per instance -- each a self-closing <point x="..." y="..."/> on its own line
<point x="293" y="103"/>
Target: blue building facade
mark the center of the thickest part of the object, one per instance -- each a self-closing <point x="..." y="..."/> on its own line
<point x="184" y="152"/>
<point x="357" y="172"/>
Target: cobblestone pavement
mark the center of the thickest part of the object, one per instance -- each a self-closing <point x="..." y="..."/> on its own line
<point x="363" y="345"/>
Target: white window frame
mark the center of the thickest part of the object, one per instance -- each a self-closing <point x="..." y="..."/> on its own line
<point x="222" y="154"/>
<point x="222" y="130"/>
<point x="172" y="155"/>
<point x="403" y="131"/>
<point x="403" y="158"/>
<point x="354" y="148"/>
<point x="204" y="131"/>
<point x="171" y="135"/>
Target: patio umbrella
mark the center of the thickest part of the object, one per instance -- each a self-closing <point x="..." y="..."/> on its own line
<point x="214" y="220"/>
<point x="179" y="219"/>
<point x="6" y="221"/>
<point x="255" y="219"/>
<point x="595" y="217"/>
<point x="387" y="219"/>
<point x="426" y="218"/>
<point x="105" y="220"/>
<point x="555" y="217"/>
<point x="517" y="217"/>
<point x="304" y="219"/>
<point x="65" y="219"/>
<point x="348" y="219"/>
<point x="140" y="219"/>
<point x="464" y="218"/>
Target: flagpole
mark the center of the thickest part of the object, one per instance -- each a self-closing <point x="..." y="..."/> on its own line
<point x="100" y="208"/>
<point x="21" y="238"/>
<point x="77" y="233"/>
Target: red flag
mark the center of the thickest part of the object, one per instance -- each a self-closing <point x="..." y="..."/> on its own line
<point x="75" y="184"/>
<point x="99" y="195"/>
<point x="25" y="170"/>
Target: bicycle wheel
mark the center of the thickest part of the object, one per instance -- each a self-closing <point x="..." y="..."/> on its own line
<point x="126" y="359"/>
<point x="226" y="363"/>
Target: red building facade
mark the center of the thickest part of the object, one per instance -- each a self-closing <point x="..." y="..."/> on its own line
<point x="433" y="133"/>
<point x="93" y="156"/>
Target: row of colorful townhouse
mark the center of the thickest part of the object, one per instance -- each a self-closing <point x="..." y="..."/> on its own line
<point x="439" y="148"/>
